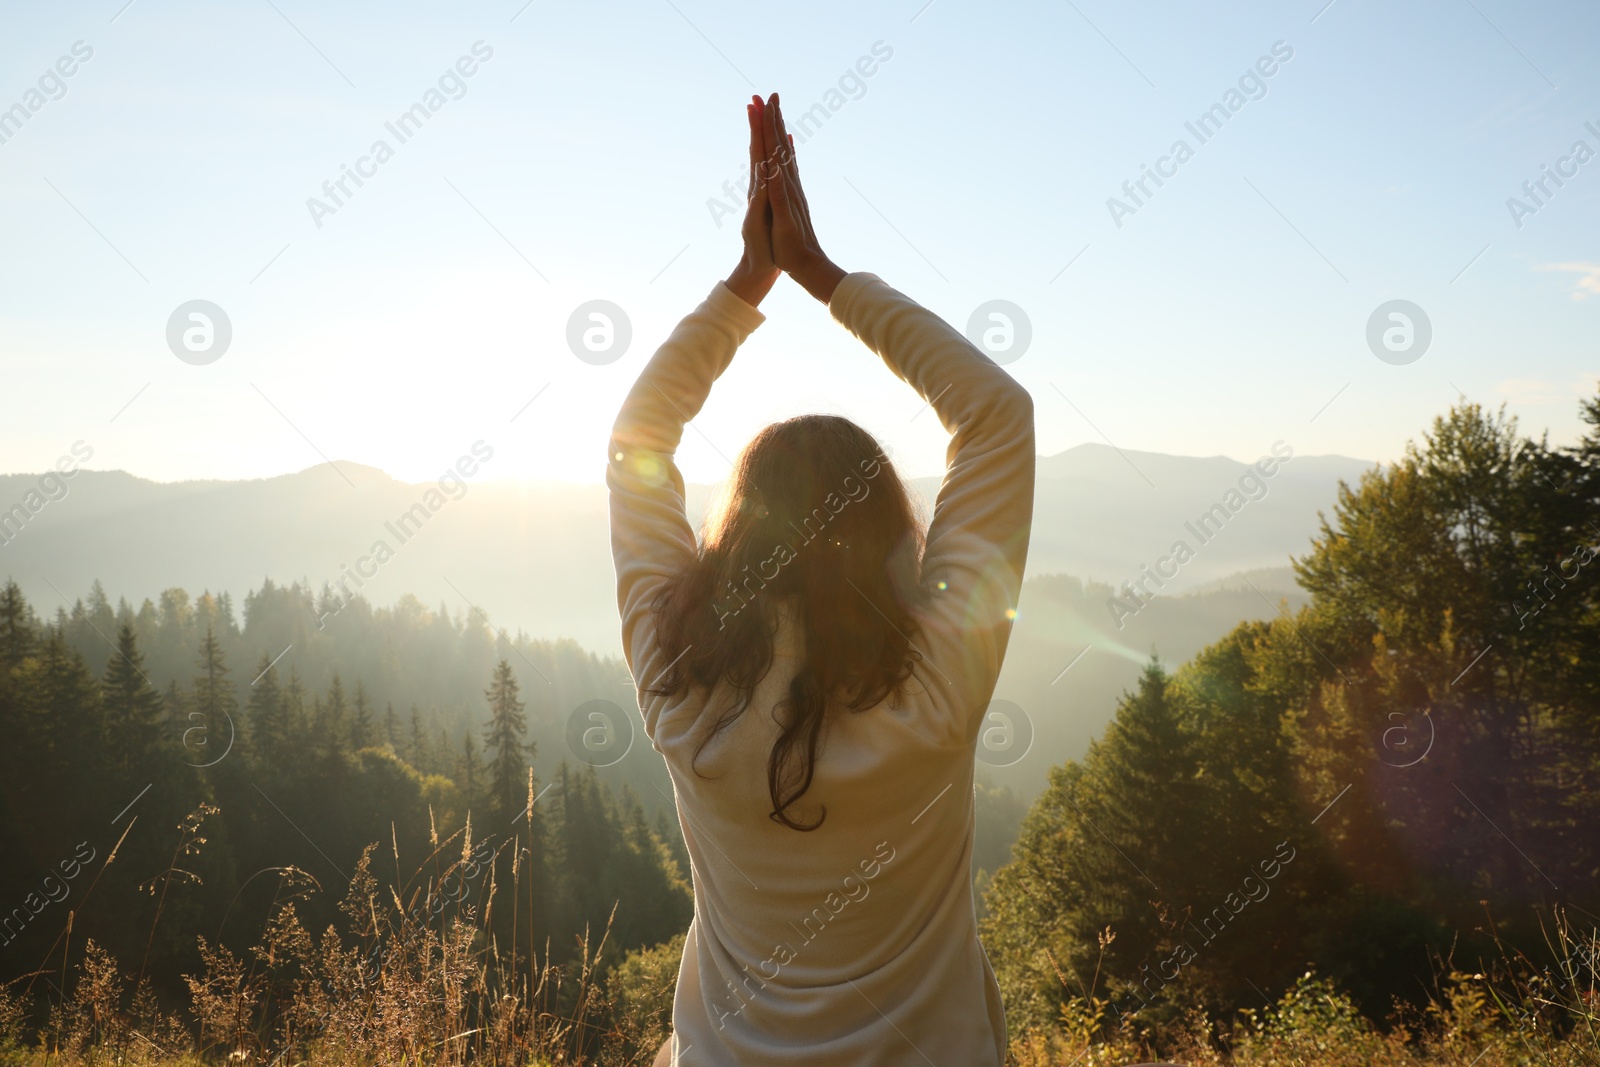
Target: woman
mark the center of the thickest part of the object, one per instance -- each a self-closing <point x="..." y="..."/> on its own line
<point x="816" y="672"/>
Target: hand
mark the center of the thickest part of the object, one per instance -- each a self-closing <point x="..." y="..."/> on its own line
<point x="756" y="273"/>
<point x="795" y="248"/>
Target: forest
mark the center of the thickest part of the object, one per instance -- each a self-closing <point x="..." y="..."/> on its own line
<point x="164" y="822"/>
<point x="1361" y="832"/>
<point x="1394" y="792"/>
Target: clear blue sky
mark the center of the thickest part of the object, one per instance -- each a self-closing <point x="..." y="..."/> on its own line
<point x="973" y="164"/>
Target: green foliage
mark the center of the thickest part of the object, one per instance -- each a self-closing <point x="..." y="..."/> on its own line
<point x="508" y="726"/>
<point x="1348" y="835"/>
<point x="1313" y="1023"/>
<point x="641" y="987"/>
<point x="1423" y="736"/>
<point x="185" y="811"/>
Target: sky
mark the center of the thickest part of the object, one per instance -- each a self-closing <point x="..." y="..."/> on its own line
<point x="983" y="158"/>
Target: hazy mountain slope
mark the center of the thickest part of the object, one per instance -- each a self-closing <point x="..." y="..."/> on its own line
<point x="536" y="556"/>
<point x="1062" y="617"/>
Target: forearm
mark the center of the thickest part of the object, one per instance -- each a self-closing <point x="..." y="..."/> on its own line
<point x="820" y="278"/>
<point x="977" y="542"/>
<point x="971" y="396"/>
<point x="749" y="284"/>
<point x="675" y="382"/>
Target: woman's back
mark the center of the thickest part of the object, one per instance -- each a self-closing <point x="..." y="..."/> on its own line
<point x="859" y="932"/>
<point x="834" y="919"/>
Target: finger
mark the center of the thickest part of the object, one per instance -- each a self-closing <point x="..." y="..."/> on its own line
<point x="793" y="167"/>
<point x="790" y="164"/>
<point x="756" y="211"/>
<point x="770" y="134"/>
<point x="757" y="143"/>
<point x="774" y="170"/>
<point x="795" y="188"/>
<point x="758" y="238"/>
<point x="777" y="186"/>
<point x="761" y="209"/>
<point x="755" y="221"/>
<point x="795" y="200"/>
<point x="782" y="131"/>
<point x="785" y="140"/>
<point x="759" y="137"/>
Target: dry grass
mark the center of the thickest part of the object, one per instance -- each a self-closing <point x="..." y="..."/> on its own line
<point x="408" y="979"/>
<point x="1521" y="1015"/>
<point x="400" y="985"/>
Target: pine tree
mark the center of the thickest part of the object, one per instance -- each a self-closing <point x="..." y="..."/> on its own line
<point x="642" y="871"/>
<point x="442" y="753"/>
<point x="671" y="835"/>
<point x="1148" y="801"/>
<point x="230" y="625"/>
<point x="133" y="708"/>
<point x="66" y="710"/>
<point x="212" y="705"/>
<point x="98" y="611"/>
<point x="469" y="773"/>
<point x="332" y="719"/>
<point x="510" y="755"/>
<point x="297" y="746"/>
<point x="267" y="715"/>
<point x="1116" y="841"/>
<point x="16" y="627"/>
<point x="391" y="727"/>
<point x="361" y="729"/>
<point x="174" y="702"/>
<point x="415" y="751"/>
<point x="16" y="642"/>
<point x="580" y="843"/>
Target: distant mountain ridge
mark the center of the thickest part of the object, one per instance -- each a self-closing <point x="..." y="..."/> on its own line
<point x="536" y="555"/>
<point x="536" y="558"/>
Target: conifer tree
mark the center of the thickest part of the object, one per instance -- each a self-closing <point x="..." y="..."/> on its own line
<point x="65" y="706"/>
<point x="133" y="708"/>
<point x="1116" y="841"/>
<point x="297" y="738"/>
<point x="267" y="715"/>
<point x="416" y="750"/>
<point x="213" y="704"/>
<point x="442" y="753"/>
<point x="332" y="718"/>
<point x="16" y="627"/>
<point x="469" y="774"/>
<point x="16" y="641"/>
<point x="361" y="726"/>
<point x="509" y="753"/>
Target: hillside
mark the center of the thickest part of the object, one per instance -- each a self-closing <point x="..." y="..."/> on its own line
<point x="535" y="557"/>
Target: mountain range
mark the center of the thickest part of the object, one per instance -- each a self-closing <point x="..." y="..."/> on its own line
<point x="535" y="557"/>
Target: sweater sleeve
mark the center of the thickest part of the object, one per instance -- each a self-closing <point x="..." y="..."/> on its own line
<point x="977" y="541"/>
<point x="651" y="539"/>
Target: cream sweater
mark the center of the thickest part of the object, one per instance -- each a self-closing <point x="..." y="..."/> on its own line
<point x="857" y="943"/>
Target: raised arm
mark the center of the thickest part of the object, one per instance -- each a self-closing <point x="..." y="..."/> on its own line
<point x="977" y="543"/>
<point x="651" y="539"/>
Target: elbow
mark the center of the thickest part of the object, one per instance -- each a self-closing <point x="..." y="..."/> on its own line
<point x="614" y="450"/>
<point x="1013" y="409"/>
<point x="628" y="430"/>
<point x="1022" y="401"/>
<point x="1004" y="408"/>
